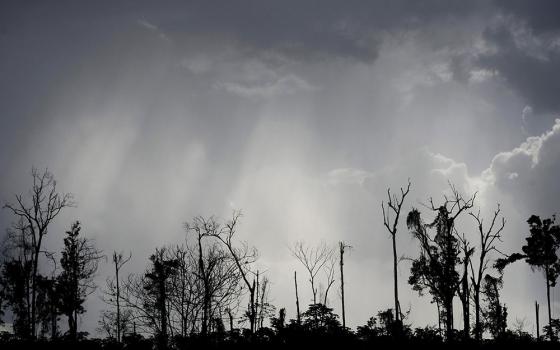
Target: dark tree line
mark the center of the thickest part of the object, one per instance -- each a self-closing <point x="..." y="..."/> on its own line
<point x="211" y="289"/>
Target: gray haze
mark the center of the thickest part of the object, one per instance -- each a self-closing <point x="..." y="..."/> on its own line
<point x="299" y="113"/>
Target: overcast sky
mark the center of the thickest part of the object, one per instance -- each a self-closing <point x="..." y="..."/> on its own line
<point x="299" y="113"/>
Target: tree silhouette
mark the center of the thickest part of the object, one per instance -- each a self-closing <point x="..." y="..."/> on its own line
<point x="464" y="289"/>
<point x="435" y="268"/>
<point x="298" y="314"/>
<point x="488" y="237"/>
<point x="156" y="285"/>
<point x="16" y="277"/>
<point x="279" y="323"/>
<point x="495" y="314"/>
<point x="244" y="257"/>
<point x="540" y="252"/>
<point x="38" y="212"/>
<point x="119" y="260"/>
<point x="314" y="259"/>
<point x="108" y="323"/>
<point x="48" y="305"/>
<point x="395" y="204"/>
<point x="320" y="318"/>
<point x="79" y="262"/>
<point x="342" y="248"/>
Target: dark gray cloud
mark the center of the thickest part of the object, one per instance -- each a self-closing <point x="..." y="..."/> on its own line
<point x="527" y="62"/>
<point x="541" y="16"/>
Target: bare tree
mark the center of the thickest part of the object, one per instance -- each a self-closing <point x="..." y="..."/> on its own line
<point x="108" y="323"/>
<point x="297" y="300"/>
<point x="394" y="205"/>
<point x="243" y="257"/>
<point x="119" y="260"/>
<point x="133" y="297"/>
<point x="266" y="309"/>
<point x="329" y="271"/>
<point x="186" y="291"/>
<point x="314" y="260"/>
<point x="39" y="211"/>
<point x="342" y="248"/>
<point x="464" y="289"/>
<point x="203" y="228"/>
<point x="488" y="236"/>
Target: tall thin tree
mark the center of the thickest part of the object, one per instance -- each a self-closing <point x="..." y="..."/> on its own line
<point x="342" y="247"/>
<point x="119" y="260"/>
<point x="297" y="299"/>
<point x="488" y="238"/>
<point x="394" y="204"/>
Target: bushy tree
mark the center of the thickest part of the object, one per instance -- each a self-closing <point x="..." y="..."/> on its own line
<point x="16" y="277"/>
<point x="435" y="269"/>
<point x="155" y="284"/>
<point x="320" y="318"/>
<point x="79" y="264"/>
<point x="495" y="313"/>
<point x="541" y="253"/>
<point x="48" y="305"/>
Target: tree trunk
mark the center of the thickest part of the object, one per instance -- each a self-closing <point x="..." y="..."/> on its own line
<point x="118" y="304"/>
<point x="204" y="326"/>
<point x="466" y="301"/>
<point x="255" y="321"/>
<point x="253" y="311"/>
<point x="396" y="286"/>
<point x="163" y="314"/>
<point x="342" y="284"/>
<point x="230" y="320"/>
<point x="34" y="287"/>
<point x="550" y="334"/>
<point x="448" y="318"/>
<point x="478" y="330"/>
<point x="537" y="320"/>
<point x="297" y="299"/>
<point x="53" y="321"/>
<point x="438" y="317"/>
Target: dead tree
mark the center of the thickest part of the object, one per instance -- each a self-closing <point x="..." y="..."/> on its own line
<point x="342" y="247"/>
<point x="39" y="211"/>
<point x="217" y="269"/>
<point x="297" y="299"/>
<point x="119" y="261"/>
<point x="488" y="236"/>
<point x="464" y="289"/>
<point x="537" y="320"/>
<point x="329" y="277"/>
<point x="244" y="257"/>
<point x="394" y="204"/>
<point x="314" y="260"/>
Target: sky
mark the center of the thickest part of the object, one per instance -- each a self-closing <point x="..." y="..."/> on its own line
<point x="299" y="113"/>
